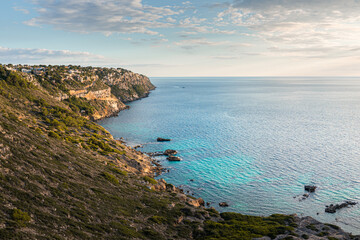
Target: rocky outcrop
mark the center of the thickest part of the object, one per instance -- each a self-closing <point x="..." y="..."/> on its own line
<point x="173" y="159"/>
<point x="128" y="86"/>
<point x="332" y="208"/>
<point x="309" y="228"/>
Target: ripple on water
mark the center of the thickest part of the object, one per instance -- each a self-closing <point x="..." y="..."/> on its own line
<point x="255" y="142"/>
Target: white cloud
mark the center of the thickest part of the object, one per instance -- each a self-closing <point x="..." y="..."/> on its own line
<point x="46" y="56"/>
<point x="190" y="44"/>
<point x="201" y="25"/>
<point x="105" y="16"/>
<point x="328" y="27"/>
<point x="25" y="11"/>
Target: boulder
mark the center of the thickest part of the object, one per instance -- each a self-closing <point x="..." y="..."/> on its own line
<point x="332" y="208"/>
<point x="223" y="204"/>
<point x="173" y="158"/>
<point x="201" y="201"/>
<point x="192" y="202"/>
<point x="155" y="154"/>
<point x="310" y="188"/>
<point x="180" y="219"/>
<point x="159" y="139"/>
<point x="160" y="186"/>
<point x="170" y="187"/>
<point x="170" y="152"/>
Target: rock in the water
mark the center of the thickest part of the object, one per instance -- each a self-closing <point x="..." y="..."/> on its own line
<point x="223" y="204"/>
<point x="159" y="139"/>
<point x="173" y="158"/>
<point x="155" y="154"/>
<point x="332" y="208"/>
<point x="310" y="188"/>
<point x="170" y="152"/>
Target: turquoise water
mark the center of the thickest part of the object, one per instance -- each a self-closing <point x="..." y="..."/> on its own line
<point x="255" y="142"/>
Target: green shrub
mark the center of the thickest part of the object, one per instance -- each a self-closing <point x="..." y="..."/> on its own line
<point x="111" y="178"/>
<point x="72" y="139"/>
<point x="95" y="144"/>
<point x="39" y="131"/>
<point x="312" y="227"/>
<point x="332" y="226"/>
<point x="158" y="219"/>
<point x="322" y="234"/>
<point x="150" y="180"/>
<point x="80" y="104"/>
<point x="41" y="102"/>
<point x="126" y="231"/>
<point x="54" y="135"/>
<point x="121" y="172"/>
<point x="238" y="226"/>
<point x="304" y="236"/>
<point x="151" y="234"/>
<point x="20" y="217"/>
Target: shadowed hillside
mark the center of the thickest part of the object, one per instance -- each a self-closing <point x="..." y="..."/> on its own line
<point x="62" y="176"/>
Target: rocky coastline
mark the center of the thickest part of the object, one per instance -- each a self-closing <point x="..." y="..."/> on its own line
<point x="62" y="176"/>
<point x="306" y="227"/>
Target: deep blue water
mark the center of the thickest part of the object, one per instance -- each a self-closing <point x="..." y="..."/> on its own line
<point x="255" y="142"/>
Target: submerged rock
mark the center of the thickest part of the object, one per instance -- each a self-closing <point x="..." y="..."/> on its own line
<point x="159" y="139"/>
<point x="310" y="188"/>
<point x="173" y="158"/>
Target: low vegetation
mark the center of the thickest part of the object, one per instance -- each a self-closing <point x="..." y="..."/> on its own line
<point x="63" y="176"/>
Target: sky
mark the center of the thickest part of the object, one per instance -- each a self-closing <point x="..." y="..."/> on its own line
<point x="186" y="38"/>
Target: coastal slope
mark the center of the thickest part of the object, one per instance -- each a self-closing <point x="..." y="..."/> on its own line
<point x="62" y="176"/>
<point x="104" y="90"/>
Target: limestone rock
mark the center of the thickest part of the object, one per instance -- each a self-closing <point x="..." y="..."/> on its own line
<point x="173" y="158"/>
<point x="223" y="204"/>
<point x="170" y="152"/>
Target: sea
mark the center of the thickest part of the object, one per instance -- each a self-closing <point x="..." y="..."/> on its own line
<point x="254" y="142"/>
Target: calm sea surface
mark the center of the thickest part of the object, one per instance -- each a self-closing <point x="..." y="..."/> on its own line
<point x="255" y="142"/>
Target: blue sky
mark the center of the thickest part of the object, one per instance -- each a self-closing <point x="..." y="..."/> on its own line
<point x="186" y="38"/>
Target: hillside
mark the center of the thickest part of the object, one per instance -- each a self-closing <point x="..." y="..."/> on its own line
<point x="62" y="176"/>
<point x="104" y="89"/>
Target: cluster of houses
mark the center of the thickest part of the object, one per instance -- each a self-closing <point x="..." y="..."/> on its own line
<point x="26" y="69"/>
<point x="36" y="71"/>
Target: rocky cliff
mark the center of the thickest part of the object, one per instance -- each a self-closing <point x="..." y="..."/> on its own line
<point x="62" y="176"/>
<point x="105" y="89"/>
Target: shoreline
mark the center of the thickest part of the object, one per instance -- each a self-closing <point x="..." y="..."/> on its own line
<point x="306" y="225"/>
<point x="159" y="170"/>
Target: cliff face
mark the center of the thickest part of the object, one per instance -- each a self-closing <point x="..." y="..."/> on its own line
<point x="130" y="86"/>
<point x="105" y="89"/>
